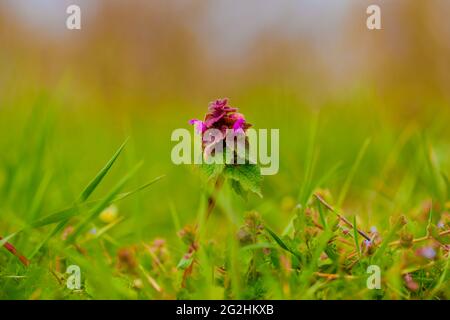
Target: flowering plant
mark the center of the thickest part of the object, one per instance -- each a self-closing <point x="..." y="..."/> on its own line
<point x="223" y="133"/>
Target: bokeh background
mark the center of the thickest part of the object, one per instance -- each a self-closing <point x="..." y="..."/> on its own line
<point x="141" y="69"/>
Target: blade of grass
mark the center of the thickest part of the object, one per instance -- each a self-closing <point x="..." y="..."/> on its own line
<point x="106" y="228"/>
<point x="442" y="278"/>
<point x="103" y="204"/>
<point x="322" y="215"/>
<point x="175" y="219"/>
<point x="305" y="190"/>
<point x="74" y="210"/>
<point x="320" y="182"/>
<point x="352" y="173"/>
<point x="100" y="175"/>
<point x="401" y="221"/>
<point x="355" y="237"/>
<point x="85" y="194"/>
<point x="124" y="195"/>
<point x="39" y="196"/>
<point x="282" y="244"/>
<point x="63" y="215"/>
<point x="311" y="267"/>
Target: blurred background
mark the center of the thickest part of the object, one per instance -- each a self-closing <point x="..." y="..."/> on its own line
<point x="68" y="98"/>
<point x="154" y="51"/>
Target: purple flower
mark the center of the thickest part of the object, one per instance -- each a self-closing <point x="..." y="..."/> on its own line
<point x="373" y="229"/>
<point x="410" y="283"/>
<point x="218" y="110"/>
<point x="214" y="118"/>
<point x="238" y="126"/>
<point x="221" y="105"/>
<point x="368" y="243"/>
<point x="440" y="225"/>
<point x="427" y="252"/>
<point x="200" y="126"/>
<point x="222" y="117"/>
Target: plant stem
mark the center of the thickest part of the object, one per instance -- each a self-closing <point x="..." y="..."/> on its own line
<point x="212" y="198"/>
<point x="393" y="243"/>
<point x="342" y="218"/>
<point x="428" y="237"/>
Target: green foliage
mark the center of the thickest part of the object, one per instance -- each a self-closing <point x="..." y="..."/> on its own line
<point x="243" y="178"/>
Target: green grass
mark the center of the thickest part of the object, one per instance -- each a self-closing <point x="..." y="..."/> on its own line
<point x="60" y="169"/>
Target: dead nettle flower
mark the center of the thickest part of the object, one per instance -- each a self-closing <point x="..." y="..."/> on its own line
<point x="221" y="117"/>
<point x="444" y="220"/>
<point x="252" y="228"/>
<point x="410" y="283"/>
<point x="188" y="234"/>
<point x="427" y="252"/>
<point x="374" y="235"/>
<point x="67" y="232"/>
<point x="224" y="136"/>
<point x="158" y="250"/>
<point x="369" y="246"/>
<point x="126" y="259"/>
<point x="368" y="243"/>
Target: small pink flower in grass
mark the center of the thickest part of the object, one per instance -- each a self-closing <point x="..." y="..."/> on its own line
<point x="427" y="252"/>
<point x="368" y="243"/>
<point x="410" y="283"/>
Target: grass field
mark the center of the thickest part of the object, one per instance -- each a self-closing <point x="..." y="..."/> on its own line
<point x="60" y="169"/>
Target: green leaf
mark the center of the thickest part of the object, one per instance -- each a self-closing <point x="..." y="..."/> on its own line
<point x="237" y="187"/>
<point x="212" y="171"/>
<point x="332" y="252"/>
<point x="185" y="262"/>
<point x="248" y="176"/>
